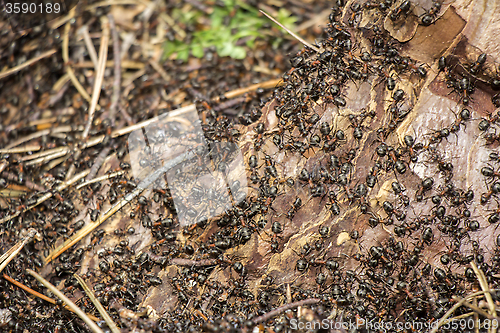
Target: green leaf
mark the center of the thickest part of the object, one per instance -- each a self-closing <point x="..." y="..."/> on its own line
<point x="246" y="24"/>
<point x="183" y="54"/>
<point x="225" y="49"/>
<point x="170" y="48"/>
<point x="217" y="17"/>
<point x="238" y="52"/>
<point x="197" y="51"/>
<point x="285" y="17"/>
<point x="250" y="42"/>
<point x="245" y="33"/>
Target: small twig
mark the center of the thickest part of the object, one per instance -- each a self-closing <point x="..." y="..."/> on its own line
<point x="125" y="64"/>
<point x="111" y="324"/>
<point x="66" y="300"/>
<point x="300" y="39"/>
<point x="264" y="85"/>
<point x="160" y="70"/>
<point x="99" y="160"/>
<point x="98" y="179"/>
<point x="59" y="90"/>
<point x="283" y="308"/>
<point x="44" y="153"/>
<point x="45" y="159"/>
<point x="229" y="104"/>
<point x="96" y="92"/>
<point x="30" y="62"/>
<point x="14" y="250"/>
<point x="42" y="296"/>
<point x="189" y="262"/>
<point x="22" y="149"/>
<point x="125" y="313"/>
<point x="28" y="183"/>
<point x="99" y="75"/>
<point x="485" y="287"/>
<point x="90" y="47"/>
<point x="453" y="308"/>
<point x="60" y="129"/>
<point x="65" y="56"/>
<point x="475" y="308"/>
<point x="126" y="116"/>
<point x="117" y="70"/>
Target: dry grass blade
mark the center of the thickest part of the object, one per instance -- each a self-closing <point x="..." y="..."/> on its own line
<point x="60" y="129"/>
<point x="111" y="324"/>
<point x="98" y="162"/>
<point x="300" y="39"/>
<point x="453" y="308"/>
<point x="159" y="69"/>
<point x="115" y="99"/>
<point x="126" y="64"/>
<point x="42" y="296"/>
<point x="146" y="183"/>
<point x="96" y="92"/>
<point x="30" y="62"/>
<point x="45" y="159"/>
<point x="66" y="300"/>
<point x="90" y="47"/>
<point x="486" y="288"/>
<point x="103" y="55"/>
<point x="22" y="149"/>
<point x="14" y="250"/>
<point x="65" y="56"/>
<point x="98" y="179"/>
<point x="44" y="153"/>
<point x="475" y="308"/>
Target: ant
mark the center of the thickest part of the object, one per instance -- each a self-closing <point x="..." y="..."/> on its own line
<point x="331" y="145"/>
<point x="491" y="138"/>
<point x="357" y="120"/>
<point x="356" y="13"/>
<point x="295" y="207"/>
<point x="430" y="15"/>
<point x="334" y="204"/>
<point x="476" y="65"/>
<point x="489" y="172"/>
<point x="402" y="10"/>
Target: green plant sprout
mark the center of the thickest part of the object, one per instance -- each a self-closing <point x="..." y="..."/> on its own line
<point x="229" y="39"/>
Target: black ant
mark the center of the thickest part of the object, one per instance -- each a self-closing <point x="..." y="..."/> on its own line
<point x="429" y="17"/>
<point x="334" y="206"/>
<point x="295" y="207"/>
<point x="489" y="172"/>
<point x="476" y="65"/>
<point x="402" y="10"/>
